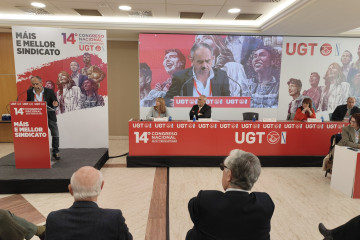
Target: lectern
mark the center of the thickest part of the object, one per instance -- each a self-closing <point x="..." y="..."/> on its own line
<point x="30" y="131"/>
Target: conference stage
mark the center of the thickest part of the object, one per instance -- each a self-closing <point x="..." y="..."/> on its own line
<point x="205" y="144"/>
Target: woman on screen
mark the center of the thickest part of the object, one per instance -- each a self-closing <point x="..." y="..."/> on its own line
<point x="305" y="111"/>
<point x="350" y="134"/>
<point x="158" y="111"/>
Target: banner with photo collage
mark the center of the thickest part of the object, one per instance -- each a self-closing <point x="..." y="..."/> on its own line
<point x="73" y="63"/>
<point x="325" y="69"/>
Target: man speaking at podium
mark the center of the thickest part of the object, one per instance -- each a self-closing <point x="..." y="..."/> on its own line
<point x="201" y="79"/>
<point x="39" y="93"/>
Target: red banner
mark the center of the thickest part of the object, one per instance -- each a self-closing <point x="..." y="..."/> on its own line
<point x="219" y="138"/>
<point x="30" y="131"/>
<point x="223" y="102"/>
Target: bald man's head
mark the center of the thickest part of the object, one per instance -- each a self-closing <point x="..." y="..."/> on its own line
<point x="86" y="184"/>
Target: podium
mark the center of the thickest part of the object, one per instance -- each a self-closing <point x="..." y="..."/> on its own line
<point x="345" y="175"/>
<point x="30" y="131"/>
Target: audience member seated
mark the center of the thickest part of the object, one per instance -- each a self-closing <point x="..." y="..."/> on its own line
<point x="350" y="134"/>
<point x="159" y="110"/>
<point x="13" y="227"/>
<point x="347" y="231"/>
<point x="84" y="219"/>
<point x="236" y="213"/>
<point x="343" y="112"/>
<point x="305" y="111"/>
<point x="200" y="110"/>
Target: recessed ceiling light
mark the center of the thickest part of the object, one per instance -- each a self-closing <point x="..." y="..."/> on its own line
<point x="234" y="10"/>
<point x="38" y="5"/>
<point x="125" y="8"/>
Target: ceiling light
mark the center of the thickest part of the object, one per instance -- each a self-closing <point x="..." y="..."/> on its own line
<point x="234" y="10"/>
<point x="125" y="8"/>
<point x="38" y="5"/>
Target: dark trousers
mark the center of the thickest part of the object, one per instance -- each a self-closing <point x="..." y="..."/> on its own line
<point x="55" y="135"/>
<point x="348" y="231"/>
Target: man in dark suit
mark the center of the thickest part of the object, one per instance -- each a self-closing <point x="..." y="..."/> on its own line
<point x="237" y="213"/>
<point x="345" y="111"/>
<point x="84" y="219"/>
<point x="347" y="231"/>
<point x="200" y="110"/>
<point x="201" y="79"/>
<point x="39" y="93"/>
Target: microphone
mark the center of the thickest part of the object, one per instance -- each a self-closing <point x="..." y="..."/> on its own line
<point x="182" y="86"/>
<point x="236" y="84"/>
<point x="17" y="98"/>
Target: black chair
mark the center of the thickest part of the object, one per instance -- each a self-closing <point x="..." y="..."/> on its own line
<point x="250" y="115"/>
<point x="330" y="116"/>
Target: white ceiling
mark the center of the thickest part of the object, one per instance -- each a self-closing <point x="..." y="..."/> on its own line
<point x="301" y="17"/>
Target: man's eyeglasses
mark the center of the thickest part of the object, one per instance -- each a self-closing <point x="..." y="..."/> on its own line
<point x="222" y="166"/>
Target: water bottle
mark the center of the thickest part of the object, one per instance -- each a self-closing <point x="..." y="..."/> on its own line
<point x="170" y="118"/>
<point x="254" y="118"/>
<point x="322" y="118"/>
<point x="194" y="118"/>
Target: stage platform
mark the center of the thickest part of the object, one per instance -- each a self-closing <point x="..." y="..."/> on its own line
<point x="214" y="161"/>
<point x="51" y="180"/>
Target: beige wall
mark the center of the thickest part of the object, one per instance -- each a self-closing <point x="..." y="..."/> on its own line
<point x="123" y="81"/>
<point x="123" y="85"/>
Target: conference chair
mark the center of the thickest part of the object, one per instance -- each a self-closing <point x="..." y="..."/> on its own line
<point x="250" y="115"/>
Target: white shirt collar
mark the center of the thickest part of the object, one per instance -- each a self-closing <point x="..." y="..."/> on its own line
<point x="200" y="86"/>
<point x="236" y="189"/>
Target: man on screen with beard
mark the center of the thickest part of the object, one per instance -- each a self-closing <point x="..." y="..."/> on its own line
<point x="201" y="78"/>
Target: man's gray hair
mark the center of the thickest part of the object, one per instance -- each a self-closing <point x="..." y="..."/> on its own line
<point x="196" y="46"/>
<point x="245" y="168"/>
<point x="81" y="192"/>
<point x="353" y="98"/>
<point x="203" y="97"/>
<point x="37" y="77"/>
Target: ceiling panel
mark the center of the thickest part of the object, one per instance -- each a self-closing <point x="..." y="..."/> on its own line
<point x="210" y="12"/>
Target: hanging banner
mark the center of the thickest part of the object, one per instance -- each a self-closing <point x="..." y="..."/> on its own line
<point x="325" y="69"/>
<point x="73" y="64"/>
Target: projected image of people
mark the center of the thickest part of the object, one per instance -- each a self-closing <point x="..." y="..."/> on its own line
<point x="91" y="98"/>
<point x="68" y="93"/>
<point x="263" y="84"/>
<point x="336" y="90"/>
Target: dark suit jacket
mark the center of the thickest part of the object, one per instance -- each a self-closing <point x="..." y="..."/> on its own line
<point x="219" y="84"/>
<point x="340" y="111"/>
<point x="232" y="215"/>
<point x="85" y="220"/>
<point x="49" y="97"/>
<point x="205" y="112"/>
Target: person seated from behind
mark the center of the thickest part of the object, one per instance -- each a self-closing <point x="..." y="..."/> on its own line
<point x="13" y="227"/>
<point x="350" y="134"/>
<point x="343" y="112"/>
<point x="347" y="231"/>
<point x="305" y="111"/>
<point x="236" y="213"/>
<point x="200" y="110"/>
<point x="159" y="110"/>
<point x="84" y="219"/>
